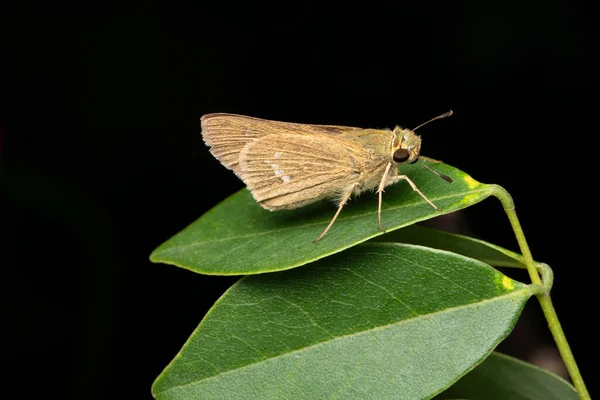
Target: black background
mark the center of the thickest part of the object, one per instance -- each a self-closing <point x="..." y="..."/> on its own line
<point x="102" y="158"/>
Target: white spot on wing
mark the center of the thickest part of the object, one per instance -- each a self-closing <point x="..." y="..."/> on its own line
<point x="267" y="162"/>
<point x="278" y="154"/>
<point x="279" y="172"/>
<point x="285" y="179"/>
<point x="274" y="166"/>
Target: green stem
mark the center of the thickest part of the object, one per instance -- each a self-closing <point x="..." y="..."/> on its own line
<point x="547" y="276"/>
<point x="544" y="297"/>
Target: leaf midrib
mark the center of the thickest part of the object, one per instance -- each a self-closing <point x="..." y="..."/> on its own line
<point x="525" y="290"/>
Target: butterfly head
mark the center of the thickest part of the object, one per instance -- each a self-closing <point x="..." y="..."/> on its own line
<point x="407" y="146"/>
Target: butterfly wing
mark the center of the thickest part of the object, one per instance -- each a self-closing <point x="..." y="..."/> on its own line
<point x="286" y="171"/>
<point x="228" y="134"/>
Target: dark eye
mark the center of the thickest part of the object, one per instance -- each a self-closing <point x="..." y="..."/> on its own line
<point x="401" y="155"/>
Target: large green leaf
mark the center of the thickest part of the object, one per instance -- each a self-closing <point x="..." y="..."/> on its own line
<point x="378" y="321"/>
<point x="238" y="237"/>
<point x="501" y="377"/>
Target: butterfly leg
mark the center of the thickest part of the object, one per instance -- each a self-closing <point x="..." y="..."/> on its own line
<point x="382" y="185"/>
<point x="343" y="202"/>
<point x="397" y="178"/>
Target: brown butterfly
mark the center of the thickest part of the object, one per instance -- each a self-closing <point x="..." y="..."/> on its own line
<point x="288" y="165"/>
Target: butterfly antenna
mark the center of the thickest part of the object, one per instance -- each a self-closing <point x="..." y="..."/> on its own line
<point x="444" y="115"/>
<point x="444" y="177"/>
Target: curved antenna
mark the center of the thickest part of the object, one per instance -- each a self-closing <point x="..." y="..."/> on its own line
<point x="444" y="115"/>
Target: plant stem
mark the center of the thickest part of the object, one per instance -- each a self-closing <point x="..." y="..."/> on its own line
<point x="544" y="298"/>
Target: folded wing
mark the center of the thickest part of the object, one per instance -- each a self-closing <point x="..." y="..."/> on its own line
<point x="286" y="171"/>
<point x="228" y="134"/>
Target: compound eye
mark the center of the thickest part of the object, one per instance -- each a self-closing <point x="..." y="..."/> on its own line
<point x="401" y="155"/>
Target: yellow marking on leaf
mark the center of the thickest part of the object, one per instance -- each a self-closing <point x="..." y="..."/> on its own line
<point x="508" y="283"/>
<point x="471" y="183"/>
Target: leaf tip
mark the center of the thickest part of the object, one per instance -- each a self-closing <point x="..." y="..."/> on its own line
<point x="155" y="256"/>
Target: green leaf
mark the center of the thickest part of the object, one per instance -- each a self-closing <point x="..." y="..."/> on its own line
<point x="502" y="377"/>
<point x="465" y="245"/>
<point x="380" y="320"/>
<point x="238" y="237"/>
